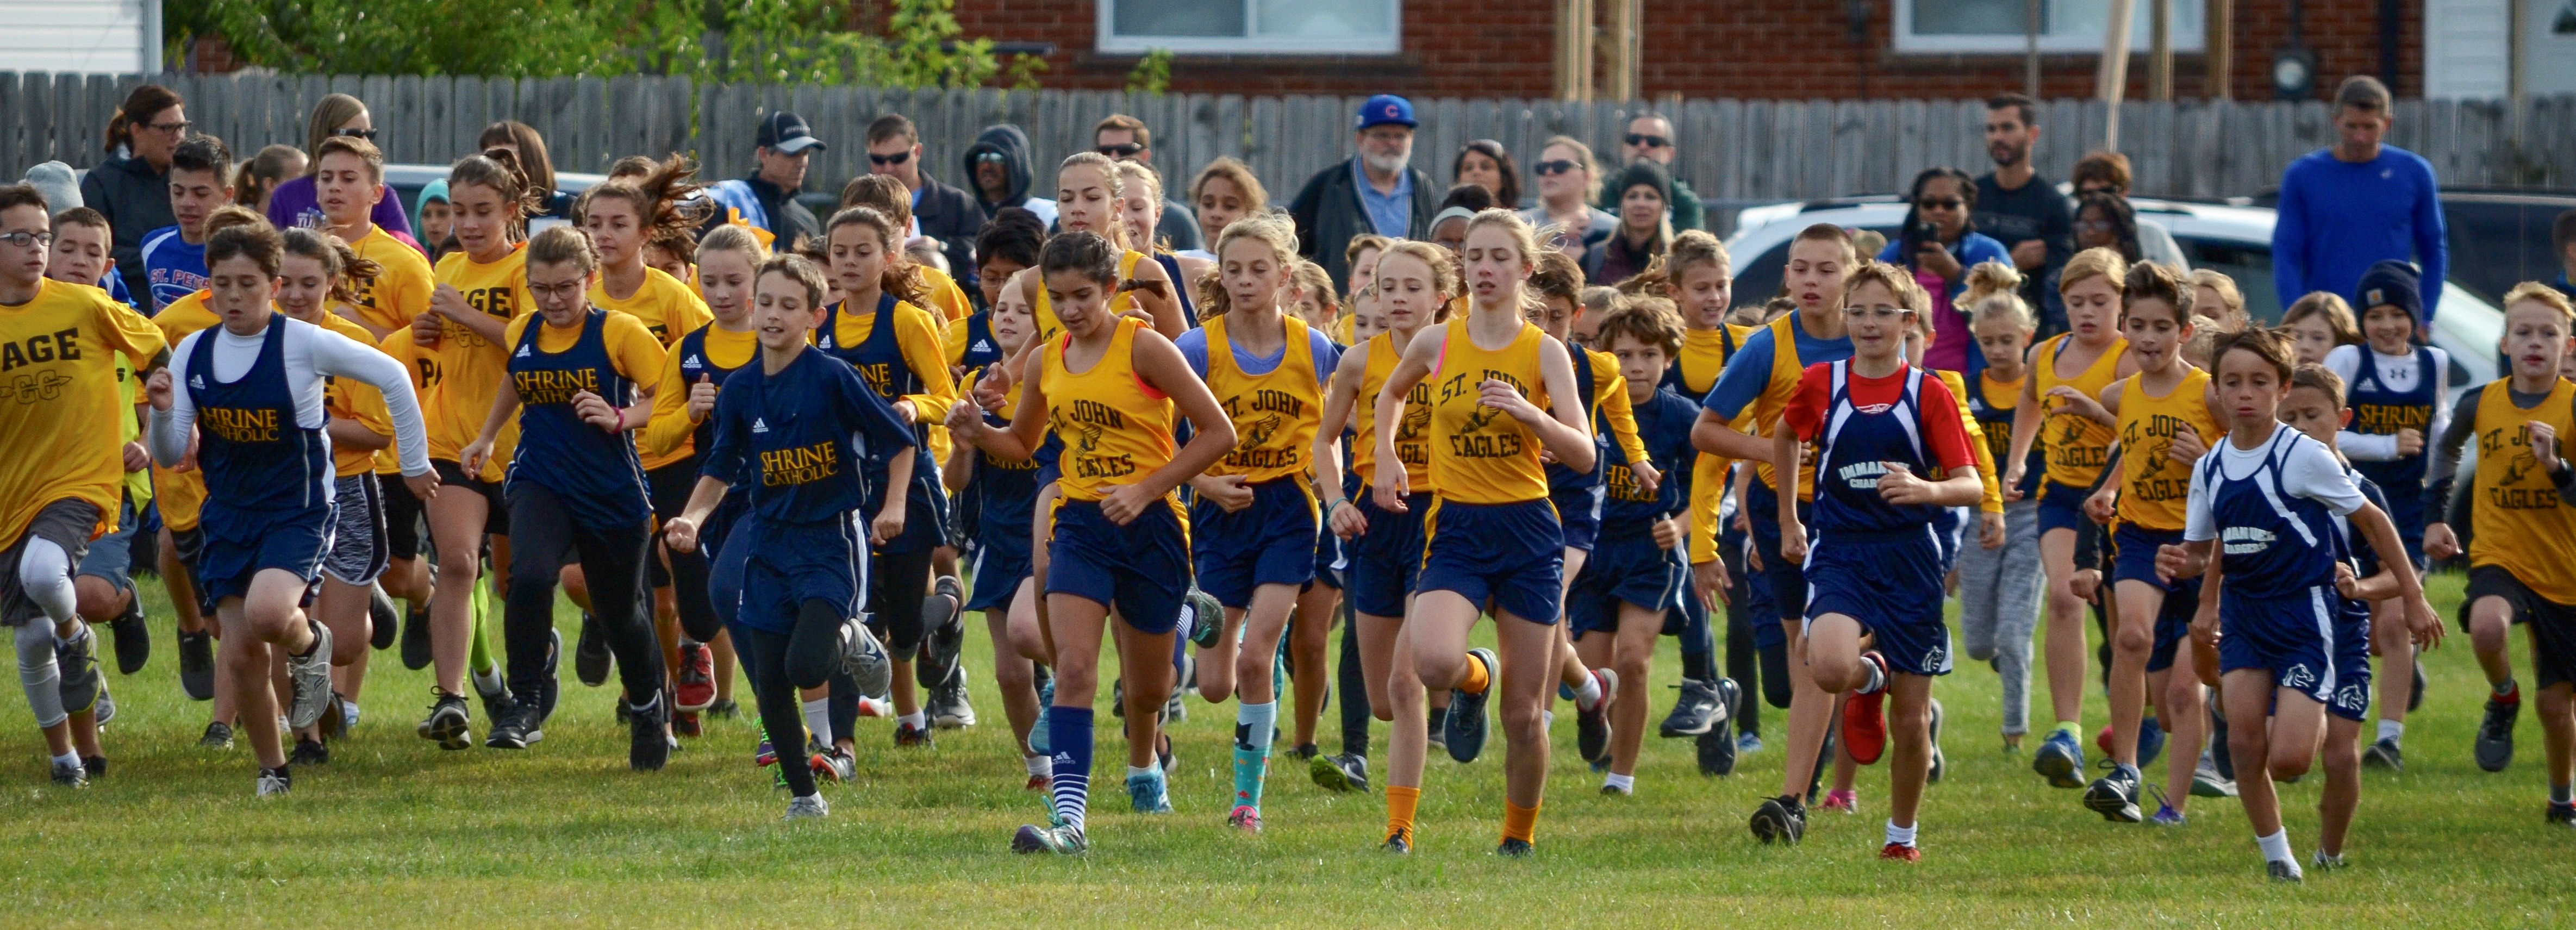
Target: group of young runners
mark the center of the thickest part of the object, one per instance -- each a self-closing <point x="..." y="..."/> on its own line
<point x="814" y="458"/>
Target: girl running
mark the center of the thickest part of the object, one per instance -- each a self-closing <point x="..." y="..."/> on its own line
<point x="1492" y="540"/>
<point x="1001" y="491"/>
<point x="788" y="429"/>
<point x="1140" y="206"/>
<point x="2398" y="386"/>
<point x="2064" y="369"/>
<point x="1089" y="189"/>
<point x="1255" y="508"/>
<point x="256" y="387"/>
<point x="1880" y="428"/>
<point x="1110" y="387"/>
<point x="1999" y="587"/>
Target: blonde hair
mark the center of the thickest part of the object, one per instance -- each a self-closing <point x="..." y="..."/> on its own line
<point x="1256" y="199"/>
<point x="2543" y="295"/>
<point x="1582" y="159"/>
<point x="2103" y="262"/>
<point x="2231" y="299"/>
<point x="1994" y="293"/>
<point x="1269" y="229"/>
<point x="1444" y="270"/>
<point x="1109" y="175"/>
<point x="1690" y="248"/>
<point x="2320" y="377"/>
<point x="731" y="238"/>
<point x="565" y="243"/>
<point x="347" y="270"/>
<point x="2330" y="306"/>
<point x="1314" y="282"/>
<point x="1599" y="299"/>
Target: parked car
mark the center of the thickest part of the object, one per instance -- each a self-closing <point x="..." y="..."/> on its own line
<point x="2229" y="238"/>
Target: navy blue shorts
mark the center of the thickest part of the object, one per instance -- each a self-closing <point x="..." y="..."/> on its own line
<point x="1270" y="542"/>
<point x="1785" y="582"/>
<point x="2134" y="559"/>
<point x="240" y="545"/>
<point x="791" y="563"/>
<point x="2061" y="507"/>
<point x="1141" y="569"/>
<point x="1891" y="583"/>
<point x="1578" y="510"/>
<point x="999" y="569"/>
<point x="2351" y="699"/>
<point x="1631" y="570"/>
<point x="1504" y="558"/>
<point x="1328" y="555"/>
<point x="1386" y="560"/>
<point x="2290" y="638"/>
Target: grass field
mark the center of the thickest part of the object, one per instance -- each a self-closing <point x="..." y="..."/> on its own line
<point x="396" y="833"/>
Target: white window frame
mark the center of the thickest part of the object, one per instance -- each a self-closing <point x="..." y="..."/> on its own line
<point x="1108" y="40"/>
<point x="1901" y="26"/>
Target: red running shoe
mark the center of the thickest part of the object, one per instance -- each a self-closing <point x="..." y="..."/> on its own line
<point x="697" y="677"/>
<point x="1901" y="853"/>
<point x="1865" y="718"/>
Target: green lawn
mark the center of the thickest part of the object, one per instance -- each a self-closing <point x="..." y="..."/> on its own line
<point x="397" y="833"/>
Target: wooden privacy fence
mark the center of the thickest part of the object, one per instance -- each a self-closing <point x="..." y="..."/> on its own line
<point x="1732" y="149"/>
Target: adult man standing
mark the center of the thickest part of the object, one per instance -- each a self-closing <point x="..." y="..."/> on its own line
<point x="2017" y="207"/>
<point x="767" y="199"/>
<point x="1376" y="191"/>
<point x="1650" y="138"/>
<point x="2345" y="208"/>
<point x="1125" y="138"/>
<point x="944" y="213"/>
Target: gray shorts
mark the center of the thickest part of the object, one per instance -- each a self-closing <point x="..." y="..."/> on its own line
<point x="111" y="557"/>
<point x="66" y="523"/>
<point x="357" y="553"/>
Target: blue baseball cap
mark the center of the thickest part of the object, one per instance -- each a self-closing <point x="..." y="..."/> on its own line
<point x="1385" y="109"/>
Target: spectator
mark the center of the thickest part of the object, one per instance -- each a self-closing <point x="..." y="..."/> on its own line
<point x="293" y="204"/>
<point x="529" y="146"/>
<point x="1650" y="139"/>
<point x="767" y="199"/>
<point x="2102" y="171"/>
<point x="174" y="256"/>
<point x="2017" y="207"/>
<point x="940" y="211"/>
<point x="132" y="188"/>
<point x="437" y="217"/>
<point x="1449" y="226"/>
<point x="2562" y="240"/>
<point x="1225" y="191"/>
<point x="1485" y="163"/>
<point x="1937" y="245"/>
<point x="1566" y="177"/>
<point x="1377" y="191"/>
<point x="1125" y="138"/>
<point x="61" y="188"/>
<point x="999" y="164"/>
<point x="254" y="181"/>
<point x="2345" y="208"/>
<point x="2106" y="220"/>
<point x="1644" y="194"/>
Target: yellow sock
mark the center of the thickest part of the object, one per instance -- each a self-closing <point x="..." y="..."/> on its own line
<point x="1519" y="823"/>
<point x="1400" y="802"/>
<point x="1476" y="678"/>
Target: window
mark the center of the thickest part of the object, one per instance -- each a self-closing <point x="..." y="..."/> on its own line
<point x="1997" y="26"/>
<point x="1282" y="27"/>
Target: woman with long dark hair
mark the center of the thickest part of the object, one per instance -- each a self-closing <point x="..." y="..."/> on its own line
<point x="1938" y="246"/>
<point x="2105" y="220"/>
<point x="132" y="187"/>
<point x="296" y="200"/>
<point x="1485" y="163"/>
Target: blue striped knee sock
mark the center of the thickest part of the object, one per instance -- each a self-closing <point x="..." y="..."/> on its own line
<point x="1069" y="734"/>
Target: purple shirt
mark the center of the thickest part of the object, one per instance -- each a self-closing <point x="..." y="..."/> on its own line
<point x="293" y="204"/>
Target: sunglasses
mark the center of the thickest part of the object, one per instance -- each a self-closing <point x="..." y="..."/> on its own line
<point x="1652" y="142"/>
<point x="1121" y="150"/>
<point x="990" y="158"/>
<point x="1947" y="203"/>
<point x="367" y="134"/>
<point x="1558" y="166"/>
<point x="894" y="159"/>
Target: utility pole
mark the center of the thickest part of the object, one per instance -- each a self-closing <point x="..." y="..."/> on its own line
<point x="2030" y="49"/>
<point x="2111" y="82"/>
<point x="1574" y="50"/>
<point x="2160" y="51"/>
<point x="2222" y="50"/>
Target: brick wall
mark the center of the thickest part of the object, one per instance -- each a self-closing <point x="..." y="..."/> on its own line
<point x="1781" y="49"/>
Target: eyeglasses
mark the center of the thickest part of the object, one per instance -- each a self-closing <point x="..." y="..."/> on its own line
<point x="1558" y="166"/>
<point x="2093" y="225"/>
<point x="1652" y="142"/>
<point x="1121" y="150"/>
<point x="367" y="134"/>
<point x="179" y="128"/>
<point x="25" y="239"/>
<point x="894" y="159"/>
<point x="1941" y="203"/>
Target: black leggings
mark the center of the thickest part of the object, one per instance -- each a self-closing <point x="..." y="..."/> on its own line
<point x="697" y="609"/>
<point x="1353" y="683"/>
<point x="781" y="663"/>
<point x="897" y="583"/>
<point x="612" y="564"/>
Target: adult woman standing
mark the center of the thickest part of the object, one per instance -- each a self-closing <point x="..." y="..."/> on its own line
<point x="1566" y="178"/>
<point x="2105" y="220"/>
<point x="529" y="147"/>
<point x="1645" y="198"/>
<point x="1937" y="244"/>
<point x="133" y="186"/>
<point x="1485" y="163"/>
<point x="295" y="202"/>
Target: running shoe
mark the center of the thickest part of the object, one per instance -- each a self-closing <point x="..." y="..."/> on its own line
<point x="310" y="674"/>
<point x="2151" y="741"/>
<point x="2415" y="696"/>
<point x="835" y="764"/>
<point x="335" y="718"/>
<point x="724" y="709"/>
<point x="2561" y="814"/>
<point x="1901" y="852"/>
<point x="950" y="709"/>
<point x="448" y="722"/>
<point x="272" y="782"/>
<point x="1614" y="791"/>
<point x="1940" y="761"/>
<point x="133" y="638"/>
<point x="944" y="638"/>
<point x="348" y="717"/>
<point x="1748" y="744"/>
<point x="2385" y="754"/>
<point x="1780" y="819"/>
<point x="2495" y="735"/>
<point x="197" y="665"/>
<point x="2207" y="783"/>
<point x="1717" y="749"/>
<point x="309" y="752"/>
<point x="1865" y="717"/>
<point x="219" y="735"/>
<point x="697" y="677"/>
<point x="2114" y="796"/>
<point x="70" y="774"/>
<point x="1062" y="840"/>
<point x="590" y="655"/>
<point x="106" y="707"/>
<point x="2284" y="871"/>
<point x="1844" y="800"/>
<point x="415" y="639"/>
<point x="1439" y="728"/>
<point x="1592" y="727"/>
<point x="1695" y="711"/>
<point x="1206" y="617"/>
<point x="808" y="807"/>
<point x="383" y="620"/>
<point x="875" y="707"/>
<point x="1512" y="848"/>
<point x="2219" y="757"/>
<point x="1146" y="792"/>
<point x="2060" y="760"/>
<point x="1244" y="817"/>
<point x="1464" y="730"/>
<point x="1306" y="751"/>
<point x="685" y="724"/>
<point x="765" y="755"/>
<point x="1399" y="842"/>
<point x="78" y="661"/>
<point x="648" y="745"/>
<point x="865" y="659"/>
<point x="96" y="766"/>
<point x="515" y="730"/>
<point x="1163" y="757"/>
<point x="495" y="702"/>
<point x="2326" y="863"/>
<point x="1340" y="772"/>
<point x="907" y="736"/>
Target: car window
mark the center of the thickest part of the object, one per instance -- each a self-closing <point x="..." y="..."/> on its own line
<point x="2249" y="264"/>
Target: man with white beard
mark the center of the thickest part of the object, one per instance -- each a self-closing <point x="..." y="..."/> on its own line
<point x="1376" y="191"/>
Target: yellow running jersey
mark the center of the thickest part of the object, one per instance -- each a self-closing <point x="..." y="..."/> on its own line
<point x="347" y="399"/>
<point x="1990" y="495"/>
<point x="58" y="356"/>
<point x="181" y="493"/>
<point x="400" y="290"/>
<point x="1050" y="327"/>
<point x="1115" y="428"/>
<point x="1705" y="353"/>
<point x="1479" y="454"/>
<point x="1412" y="432"/>
<point x="461" y="373"/>
<point x="2076" y="445"/>
<point x="2522" y="525"/>
<point x="1275" y="415"/>
<point x="2155" y="490"/>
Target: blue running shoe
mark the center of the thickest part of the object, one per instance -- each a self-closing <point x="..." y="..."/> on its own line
<point x="1038" y="739"/>
<point x="1145" y="791"/>
<point x="1748" y="744"/>
<point x="2151" y="741"/>
<point x="2060" y="760"/>
<point x="1465" y="727"/>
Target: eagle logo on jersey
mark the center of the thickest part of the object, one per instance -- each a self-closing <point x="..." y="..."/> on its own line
<point x="2299" y="676"/>
<point x="43" y="385"/>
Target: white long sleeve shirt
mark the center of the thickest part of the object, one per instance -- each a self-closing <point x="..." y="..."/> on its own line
<point x="310" y="353"/>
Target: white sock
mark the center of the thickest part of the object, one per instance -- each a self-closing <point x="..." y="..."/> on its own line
<point x="1627" y="784"/>
<point x="2276" y="847"/>
<point x="69" y="758"/>
<point x="1133" y="771"/>
<point x="490" y="682"/>
<point x="1546" y="720"/>
<point x="1039" y="766"/>
<point x="1877" y="679"/>
<point x="1901" y="836"/>
<point x="80" y="631"/>
<point x="818" y="720"/>
<point x="918" y="720"/>
<point x="2392" y="730"/>
<point x="1588" y="696"/>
